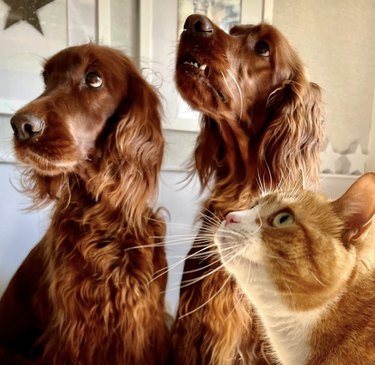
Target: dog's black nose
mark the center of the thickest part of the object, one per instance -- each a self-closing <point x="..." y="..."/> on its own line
<point x="26" y="126"/>
<point x="198" y="24"/>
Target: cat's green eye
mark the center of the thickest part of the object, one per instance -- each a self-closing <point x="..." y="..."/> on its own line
<point x="282" y="219"/>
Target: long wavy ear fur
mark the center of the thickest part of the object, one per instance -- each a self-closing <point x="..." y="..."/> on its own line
<point x="289" y="144"/>
<point x="205" y="160"/>
<point x="132" y="153"/>
<point x="221" y="150"/>
<point x="293" y="137"/>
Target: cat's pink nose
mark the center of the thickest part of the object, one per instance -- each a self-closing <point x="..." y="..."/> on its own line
<point x="232" y="218"/>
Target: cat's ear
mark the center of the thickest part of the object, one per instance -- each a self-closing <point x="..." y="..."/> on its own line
<point x="357" y="206"/>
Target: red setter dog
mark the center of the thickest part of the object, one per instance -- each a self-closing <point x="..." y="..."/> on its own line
<point x="92" y="144"/>
<point x="261" y="128"/>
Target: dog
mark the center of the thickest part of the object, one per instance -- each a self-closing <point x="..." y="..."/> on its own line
<point x="92" y="144"/>
<point x="261" y="128"/>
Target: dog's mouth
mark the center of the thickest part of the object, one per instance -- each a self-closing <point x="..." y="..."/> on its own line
<point x="191" y="63"/>
<point x="191" y="66"/>
<point x="44" y="165"/>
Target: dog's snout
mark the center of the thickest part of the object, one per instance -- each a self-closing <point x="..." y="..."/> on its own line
<point x="198" y="24"/>
<point x="26" y="126"/>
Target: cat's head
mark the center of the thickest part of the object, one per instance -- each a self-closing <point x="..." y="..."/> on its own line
<point x="301" y="242"/>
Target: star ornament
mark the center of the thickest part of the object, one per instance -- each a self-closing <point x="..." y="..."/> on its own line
<point x="24" y="10"/>
<point x="357" y="161"/>
<point x="329" y="159"/>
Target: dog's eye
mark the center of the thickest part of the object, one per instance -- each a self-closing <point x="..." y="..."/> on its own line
<point x="93" y="80"/>
<point x="262" y="48"/>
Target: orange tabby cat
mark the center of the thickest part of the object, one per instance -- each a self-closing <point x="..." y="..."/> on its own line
<point x="308" y="267"/>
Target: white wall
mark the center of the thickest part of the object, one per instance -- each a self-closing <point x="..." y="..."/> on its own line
<point x="19" y="230"/>
<point x="336" y="40"/>
<point x="182" y="202"/>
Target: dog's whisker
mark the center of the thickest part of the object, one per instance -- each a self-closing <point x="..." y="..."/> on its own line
<point x="239" y="92"/>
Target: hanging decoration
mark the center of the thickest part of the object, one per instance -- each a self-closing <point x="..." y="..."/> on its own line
<point x="24" y="10"/>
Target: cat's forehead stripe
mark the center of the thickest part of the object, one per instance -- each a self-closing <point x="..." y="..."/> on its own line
<point x="291" y="198"/>
<point x="285" y="199"/>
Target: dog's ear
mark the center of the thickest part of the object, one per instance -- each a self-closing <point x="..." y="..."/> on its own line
<point x="206" y="157"/>
<point x="132" y="155"/>
<point x="293" y="139"/>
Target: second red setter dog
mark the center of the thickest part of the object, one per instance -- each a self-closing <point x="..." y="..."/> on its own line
<point x="261" y="127"/>
<point x="92" y="144"/>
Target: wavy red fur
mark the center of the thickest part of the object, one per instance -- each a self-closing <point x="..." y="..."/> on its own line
<point x="261" y="128"/>
<point x="85" y="293"/>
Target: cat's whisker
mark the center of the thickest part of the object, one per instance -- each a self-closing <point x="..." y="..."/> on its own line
<point x="292" y="190"/>
<point x="144" y="247"/>
<point x="290" y="293"/>
<point x="178" y="238"/>
<point x="176" y="256"/>
<point x="261" y="184"/>
<point x="227" y="86"/>
<point x="186" y="283"/>
<point x="167" y="243"/>
<point x="366" y="264"/>
<point x="215" y="217"/>
<point x="187" y="235"/>
<point x="269" y="173"/>
<point x="185" y="243"/>
<point x="208" y="230"/>
<point x="224" y="263"/>
<point x="207" y="301"/>
<point x="229" y="233"/>
<point x="238" y="88"/>
<point x="214" y="262"/>
<point x="317" y="279"/>
<point x="211" y="219"/>
<point x="239" y="300"/>
<point x="164" y="271"/>
<point x="196" y="238"/>
<point x="179" y="224"/>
